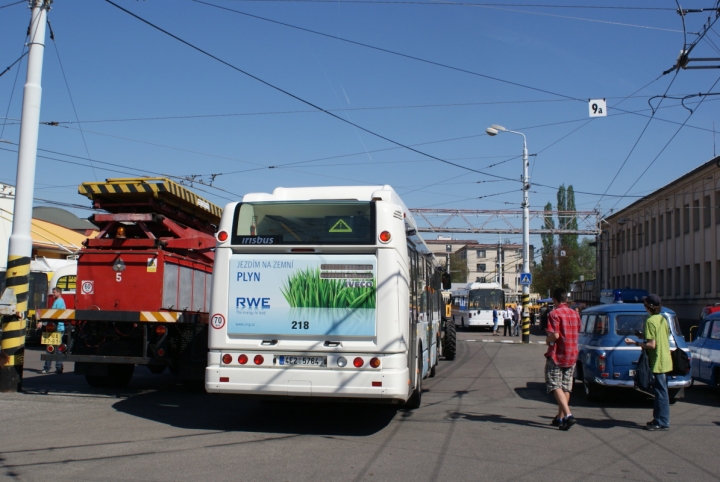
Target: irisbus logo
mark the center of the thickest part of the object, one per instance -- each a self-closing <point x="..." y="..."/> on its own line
<point x="252" y="303"/>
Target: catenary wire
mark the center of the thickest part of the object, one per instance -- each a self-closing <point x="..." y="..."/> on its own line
<point x="72" y="101"/>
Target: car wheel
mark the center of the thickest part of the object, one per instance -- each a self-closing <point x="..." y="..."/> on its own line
<point x="592" y="390"/>
<point x="450" y="348"/>
<point x="416" y="398"/>
<point x="462" y="322"/>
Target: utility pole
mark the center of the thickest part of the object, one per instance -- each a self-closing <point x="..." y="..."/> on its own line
<point x="20" y="247"/>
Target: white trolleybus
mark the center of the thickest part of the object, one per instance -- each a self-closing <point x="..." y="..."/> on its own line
<point x="324" y="292"/>
<point x="473" y="305"/>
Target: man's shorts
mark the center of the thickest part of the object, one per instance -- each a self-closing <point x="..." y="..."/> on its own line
<point x="558" y="377"/>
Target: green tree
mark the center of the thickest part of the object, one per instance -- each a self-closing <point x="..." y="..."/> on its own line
<point x="458" y="268"/>
<point x="565" y="261"/>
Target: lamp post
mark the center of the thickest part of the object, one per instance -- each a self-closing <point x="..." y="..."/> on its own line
<point x="493" y="131"/>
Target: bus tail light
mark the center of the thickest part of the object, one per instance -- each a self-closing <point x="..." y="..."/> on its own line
<point x="62" y="348"/>
<point x="224" y="379"/>
<point x="358" y="362"/>
<point x="242" y="359"/>
<point x="227" y="359"/>
<point x="342" y="362"/>
<point x="385" y="237"/>
<point x="375" y="362"/>
<point x="50" y="349"/>
<point x="377" y="384"/>
<point x="258" y="359"/>
<point x="222" y="236"/>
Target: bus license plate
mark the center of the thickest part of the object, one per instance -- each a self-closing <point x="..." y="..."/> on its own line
<point x="52" y="338"/>
<point x="306" y="361"/>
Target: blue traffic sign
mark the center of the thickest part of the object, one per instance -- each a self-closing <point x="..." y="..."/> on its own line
<point x="525" y="278"/>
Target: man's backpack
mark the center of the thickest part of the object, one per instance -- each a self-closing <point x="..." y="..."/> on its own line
<point x="644" y="378"/>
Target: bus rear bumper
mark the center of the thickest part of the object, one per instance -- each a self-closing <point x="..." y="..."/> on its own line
<point x="389" y="384"/>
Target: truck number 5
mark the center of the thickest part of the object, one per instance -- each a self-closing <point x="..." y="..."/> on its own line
<point x="118" y="277"/>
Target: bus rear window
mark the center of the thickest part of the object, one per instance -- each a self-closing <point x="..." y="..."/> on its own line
<point x="311" y="222"/>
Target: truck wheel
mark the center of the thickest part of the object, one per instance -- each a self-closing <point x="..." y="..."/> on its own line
<point x="119" y="375"/>
<point x="450" y="345"/>
<point x="416" y="398"/>
<point x="96" y="381"/>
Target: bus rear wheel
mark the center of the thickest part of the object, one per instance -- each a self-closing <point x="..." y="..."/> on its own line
<point x="450" y="342"/>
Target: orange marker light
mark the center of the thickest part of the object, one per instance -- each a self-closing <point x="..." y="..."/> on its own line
<point x="222" y="236"/>
<point x="385" y="237"/>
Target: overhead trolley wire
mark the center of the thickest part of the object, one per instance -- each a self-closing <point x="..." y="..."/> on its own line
<point x="665" y="146"/>
<point x="11" y="4"/>
<point x="468" y="4"/>
<point x="300" y="99"/>
<point x="388" y="51"/>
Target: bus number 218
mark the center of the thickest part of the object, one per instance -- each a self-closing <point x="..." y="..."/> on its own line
<point x="300" y="325"/>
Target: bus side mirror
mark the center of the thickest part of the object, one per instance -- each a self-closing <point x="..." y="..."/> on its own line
<point x="446" y="281"/>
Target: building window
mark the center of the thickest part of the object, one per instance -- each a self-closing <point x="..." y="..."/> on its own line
<point x="481" y="267"/>
<point x="660" y="227"/>
<point x="696" y="215"/>
<point x="481" y="253"/>
<point x="668" y="222"/>
<point x="678" y="281"/>
<point x="717" y="207"/>
<point x="706" y="212"/>
<point x="634" y="237"/>
<point x="647" y="233"/>
<point x="686" y="219"/>
<point x="686" y="279"/>
<point x="634" y="281"/>
<point x="669" y="282"/>
<point x="696" y="278"/>
<point x="640" y="234"/>
<point x="653" y="284"/>
<point x="661" y="282"/>
<point x="677" y="222"/>
<point x="708" y="277"/>
<point x="653" y="230"/>
<point x="628" y="238"/>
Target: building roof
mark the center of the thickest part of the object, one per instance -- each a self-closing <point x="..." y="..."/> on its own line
<point x="714" y="161"/>
<point x="47" y="235"/>
<point x="61" y="217"/>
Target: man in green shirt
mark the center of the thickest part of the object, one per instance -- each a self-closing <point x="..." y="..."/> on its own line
<point x="657" y="344"/>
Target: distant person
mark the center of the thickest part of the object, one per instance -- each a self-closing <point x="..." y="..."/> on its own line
<point x="563" y="326"/>
<point x="495" y="321"/>
<point x="507" y="322"/>
<point x="58" y="304"/>
<point x="657" y="334"/>
<point x="517" y="319"/>
<point x="533" y="318"/>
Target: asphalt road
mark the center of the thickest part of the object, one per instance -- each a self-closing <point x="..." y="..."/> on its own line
<point x="485" y="416"/>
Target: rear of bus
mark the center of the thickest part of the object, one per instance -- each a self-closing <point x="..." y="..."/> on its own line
<point x="310" y="296"/>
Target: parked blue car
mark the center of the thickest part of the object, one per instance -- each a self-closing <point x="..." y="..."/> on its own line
<point x="605" y="361"/>
<point x="706" y="352"/>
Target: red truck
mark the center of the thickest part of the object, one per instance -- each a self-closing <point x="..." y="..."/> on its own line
<point x="143" y="284"/>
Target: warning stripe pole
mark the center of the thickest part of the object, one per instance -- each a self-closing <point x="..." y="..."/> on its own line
<point x="20" y="247"/>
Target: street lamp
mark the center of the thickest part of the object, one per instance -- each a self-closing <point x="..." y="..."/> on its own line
<point x="493" y="131"/>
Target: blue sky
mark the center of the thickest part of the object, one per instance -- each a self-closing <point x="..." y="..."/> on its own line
<point x="118" y="68"/>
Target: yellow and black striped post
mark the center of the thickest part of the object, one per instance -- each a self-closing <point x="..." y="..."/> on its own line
<point x="526" y="318"/>
<point x="14" y="326"/>
<point x="20" y="244"/>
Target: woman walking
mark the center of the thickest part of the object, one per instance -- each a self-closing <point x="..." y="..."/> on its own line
<point x="495" y="321"/>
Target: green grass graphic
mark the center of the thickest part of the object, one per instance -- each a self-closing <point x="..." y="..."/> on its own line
<point x="305" y="289"/>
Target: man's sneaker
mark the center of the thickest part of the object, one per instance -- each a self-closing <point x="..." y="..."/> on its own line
<point x="657" y="427"/>
<point x="59" y="370"/>
<point x="555" y="422"/>
<point x="567" y="422"/>
<point x="45" y="370"/>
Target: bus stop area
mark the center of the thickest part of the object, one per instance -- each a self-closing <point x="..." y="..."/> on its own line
<point x="484" y="416"/>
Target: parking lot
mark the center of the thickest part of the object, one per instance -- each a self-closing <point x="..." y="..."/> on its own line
<point x="485" y="416"/>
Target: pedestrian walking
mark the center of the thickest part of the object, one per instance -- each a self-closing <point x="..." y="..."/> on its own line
<point x="657" y="346"/>
<point x="563" y="326"/>
<point x="517" y="318"/>
<point x="495" y="321"/>
<point x="507" y="322"/>
<point x="58" y="304"/>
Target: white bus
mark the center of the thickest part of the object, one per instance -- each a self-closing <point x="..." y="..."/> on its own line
<point x="324" y="292"/>
<point x="473" y="305"/>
